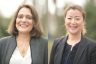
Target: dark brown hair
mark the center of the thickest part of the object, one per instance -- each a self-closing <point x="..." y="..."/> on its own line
<point x="79" y="8"/>
<point x="36" y="30"/>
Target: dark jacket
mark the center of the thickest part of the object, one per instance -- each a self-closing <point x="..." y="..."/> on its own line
<point x="86" y="52"/>
<point x="39" y="50"/>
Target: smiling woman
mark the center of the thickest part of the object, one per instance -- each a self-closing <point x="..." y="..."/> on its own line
<point x="24" y="21"/>
<point x="74" y="48"/>
<point x="26" y="44"/>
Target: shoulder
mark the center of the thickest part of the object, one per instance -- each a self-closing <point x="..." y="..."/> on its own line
<point x="92" y="50"/>
<point x="56" y="43"/>
<point x="59" y="40"/>
<point x="40" y="40"/>
<point x="43" y="39"/>
<point x="5" y="39"/>
<point x="91" y="45"/>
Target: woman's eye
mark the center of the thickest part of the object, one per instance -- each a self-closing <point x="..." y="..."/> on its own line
<point x="24" y="16"/>
<point x="69" y="18"/>
<point x="29" y="17"/>
<point x="19" y="16"/>
<point x="77" y="18"/>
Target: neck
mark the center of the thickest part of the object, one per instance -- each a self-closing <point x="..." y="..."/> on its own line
<point x="23" y="38"/>
<point x="73" y="39"/>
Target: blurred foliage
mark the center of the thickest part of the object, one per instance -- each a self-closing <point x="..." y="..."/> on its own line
<point x="44" y="21"/>
<point x="61" y="28"/>
<point x="4" y="26"/>
<point x="90" y="9"/>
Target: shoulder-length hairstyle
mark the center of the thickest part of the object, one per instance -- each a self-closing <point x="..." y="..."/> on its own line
<point x="79" y="8"/>
<point x="36" y="30"/>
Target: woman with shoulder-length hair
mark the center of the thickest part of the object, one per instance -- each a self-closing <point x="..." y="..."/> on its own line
<point x="26" y="44"/>
<point x="74" y="48"/>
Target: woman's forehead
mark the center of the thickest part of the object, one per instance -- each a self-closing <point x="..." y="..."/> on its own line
<point x="74" y="12"/>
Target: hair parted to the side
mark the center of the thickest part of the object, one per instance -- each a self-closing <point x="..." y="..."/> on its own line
<point x="79" y="8"/>
<point x="36" y="31"/>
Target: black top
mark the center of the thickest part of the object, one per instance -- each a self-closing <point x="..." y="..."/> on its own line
<point x="85" y="54"/>
<point x="68" y="54"/>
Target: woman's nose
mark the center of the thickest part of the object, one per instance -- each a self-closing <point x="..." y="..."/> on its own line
<point x="73" y="20"/>
<point x="24" y="19"/>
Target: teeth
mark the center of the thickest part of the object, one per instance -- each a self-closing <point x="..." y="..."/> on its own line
<point x="73" y="27"/>
<point x="24" y="25"/>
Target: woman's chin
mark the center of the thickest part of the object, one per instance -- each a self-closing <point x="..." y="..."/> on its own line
<point x="74" y="32"/>
<point x="23" y="32"/>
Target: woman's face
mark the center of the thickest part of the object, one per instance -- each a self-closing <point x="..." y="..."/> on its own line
<point x="24" y="22"/>
<point x="74" y="21"/>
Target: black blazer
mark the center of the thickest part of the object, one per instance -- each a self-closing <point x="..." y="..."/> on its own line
<point x="86" y="52"/>
<point x="39" y="50"/>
